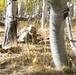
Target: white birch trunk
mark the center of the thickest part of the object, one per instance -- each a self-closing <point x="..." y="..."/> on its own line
<point x="74" y="14"/>
<point x="10" y="25"/>
<point x="70" y="35"/>
<point x="19" y="7"/>
<point x="44" y="13"/>
<point x="57" y="18"/>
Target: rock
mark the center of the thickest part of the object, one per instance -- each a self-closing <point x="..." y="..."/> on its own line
<point x="22" y="30"/>
<point x="28" y="35"/>
<point x="22" y="37"/>
<point x="31" y="29"/>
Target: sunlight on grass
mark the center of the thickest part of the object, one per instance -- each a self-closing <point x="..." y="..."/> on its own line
<point x="31" y="58"/>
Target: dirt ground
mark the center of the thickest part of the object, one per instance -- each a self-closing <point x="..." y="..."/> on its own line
<point x="35" y="59"/>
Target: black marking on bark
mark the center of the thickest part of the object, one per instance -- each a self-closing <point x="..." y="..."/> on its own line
<point x="9" y="3"/>
<point x="66" y="12"/>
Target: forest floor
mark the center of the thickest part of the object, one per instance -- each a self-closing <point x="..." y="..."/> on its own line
<point x="35" y="59"/>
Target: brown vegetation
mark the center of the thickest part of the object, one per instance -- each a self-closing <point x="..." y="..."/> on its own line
<point x="35" y="59"/>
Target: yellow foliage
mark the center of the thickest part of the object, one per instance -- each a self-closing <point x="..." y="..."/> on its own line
<point x="2" y="4"/>
<point x="35" y="60"/>
<point x="2" y="8"/>
<point x="49" y="67"/>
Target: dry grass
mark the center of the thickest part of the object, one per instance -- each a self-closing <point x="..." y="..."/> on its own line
<point x="33" y="59"/>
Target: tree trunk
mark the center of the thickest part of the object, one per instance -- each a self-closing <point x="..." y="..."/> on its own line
<point x="10" y="25"/>
<point x="43" y="14"/>
<point x="74" y="8"/>
<point x="58" y="13"/>
<point x="70" y="35"/>
<point x="19" y="7"/>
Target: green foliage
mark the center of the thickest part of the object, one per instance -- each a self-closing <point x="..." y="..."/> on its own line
<point x="29" y="5"/>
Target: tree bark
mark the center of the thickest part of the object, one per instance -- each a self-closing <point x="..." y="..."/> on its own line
<point x="58" y="13"/>
<point x="74" y="8"/>
<point x="44" y="11"/>
<point x="10" y="25"/>
<point x="70" y="35"/>
<point x="19" y="7"/>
